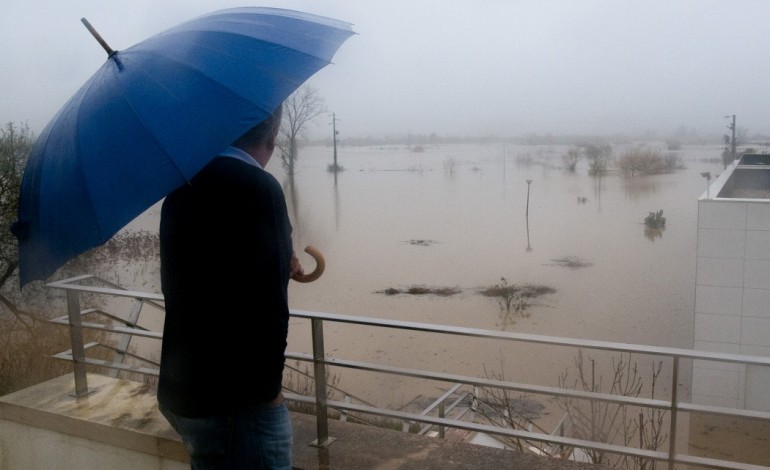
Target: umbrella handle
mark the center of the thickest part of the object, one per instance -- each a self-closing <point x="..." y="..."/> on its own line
<point x="319" y="266"/>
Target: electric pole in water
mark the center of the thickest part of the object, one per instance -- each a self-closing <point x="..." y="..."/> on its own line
<point x="529" y="183"/>
<point x="732" y="140"/>
<point x="334" y="131"/>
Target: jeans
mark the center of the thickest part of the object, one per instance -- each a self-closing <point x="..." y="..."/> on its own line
<point x="258" y="437"/>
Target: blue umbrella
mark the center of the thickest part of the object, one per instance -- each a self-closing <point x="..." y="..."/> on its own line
<point x="152" y="117"/>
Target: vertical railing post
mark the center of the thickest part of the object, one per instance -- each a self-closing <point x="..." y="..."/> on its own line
<point x="441" y="430"/>
<point x="674" y="410"/>
<point x="319" y="369"/>
<point x="76" y="343"/>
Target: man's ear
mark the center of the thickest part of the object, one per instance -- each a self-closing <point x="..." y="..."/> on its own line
<point x="270" y="144"/>
<point x="272" y="140"/>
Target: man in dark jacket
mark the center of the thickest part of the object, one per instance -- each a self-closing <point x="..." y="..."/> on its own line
<point x="226" y="259"/>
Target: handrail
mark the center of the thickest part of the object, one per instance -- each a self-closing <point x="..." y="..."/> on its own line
<point x="536" y="339"/>
<point x="74" y="287"/>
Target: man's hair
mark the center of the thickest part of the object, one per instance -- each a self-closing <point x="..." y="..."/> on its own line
<point x="263" y="133"/>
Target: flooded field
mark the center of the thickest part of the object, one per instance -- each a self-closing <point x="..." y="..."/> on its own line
<point x="454" y="217"/>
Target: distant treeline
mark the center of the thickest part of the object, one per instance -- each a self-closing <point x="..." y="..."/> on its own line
<point x="682" y="138"/>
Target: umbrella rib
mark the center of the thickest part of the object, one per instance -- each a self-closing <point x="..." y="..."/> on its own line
<point x="148" y="74"/>
<point x="149" y="129"/>
<point x="226" y="54"/>
<point x="341" y="27"/>
<point x="188" y="66"/>
<point x="79" y="151"/>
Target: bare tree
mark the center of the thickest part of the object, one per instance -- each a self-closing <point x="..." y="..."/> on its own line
<point x="646" y="162"/>
<point x="572" y="157"/>
<point x="26" y="339"/>
<point x="300" y="108"/>
<point x="15" y="144"/>
<point x="506" y="409"/>
<point x="600" y="421"/>
<point x="649" y="425"/>
<point x="599" y="155"/>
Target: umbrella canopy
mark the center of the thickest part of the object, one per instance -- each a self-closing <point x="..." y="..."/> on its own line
<point x="153" y="116"/>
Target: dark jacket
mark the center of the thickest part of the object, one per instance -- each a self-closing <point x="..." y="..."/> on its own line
<point x="225" y="247"/>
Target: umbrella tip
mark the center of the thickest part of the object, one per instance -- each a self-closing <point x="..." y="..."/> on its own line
<point x="97" y="36"/>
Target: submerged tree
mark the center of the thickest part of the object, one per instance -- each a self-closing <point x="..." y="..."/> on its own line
<point x="303" y="106"/>
<point x="655" y="220"/>
<point x="599" y="156"/>
<point x="648" y="162"/>
<point x="571" y="158"/>
<point x="654" y="225"/>
<point x="637" y="160"/>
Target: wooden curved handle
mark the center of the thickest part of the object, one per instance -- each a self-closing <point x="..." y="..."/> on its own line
<point x="320" y="265"/>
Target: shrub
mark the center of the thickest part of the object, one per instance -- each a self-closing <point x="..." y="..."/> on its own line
<point x="644" y="161"/>
<point x="655" y="220"/>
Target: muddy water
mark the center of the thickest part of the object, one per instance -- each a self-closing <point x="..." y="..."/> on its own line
<point x="456" y="216"/>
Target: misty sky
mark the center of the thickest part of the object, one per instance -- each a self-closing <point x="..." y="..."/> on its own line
<point x="452" y="67"/>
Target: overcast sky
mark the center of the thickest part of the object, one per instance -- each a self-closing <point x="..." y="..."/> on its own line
<point x="453" y="67"/>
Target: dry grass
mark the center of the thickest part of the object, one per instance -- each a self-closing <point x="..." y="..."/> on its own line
<point x="25" y="358"/>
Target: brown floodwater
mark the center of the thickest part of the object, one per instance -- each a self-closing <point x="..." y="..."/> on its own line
<point x="457" y="216"/>
<point x="465" y="216"/>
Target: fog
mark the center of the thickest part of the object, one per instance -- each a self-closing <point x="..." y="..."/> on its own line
<point x="453" y="67"/>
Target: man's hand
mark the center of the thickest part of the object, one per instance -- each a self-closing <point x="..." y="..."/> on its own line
<point x="300" y="275"/>
<point x="295" y="268"/>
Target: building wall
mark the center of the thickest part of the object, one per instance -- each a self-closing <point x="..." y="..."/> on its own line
<point x="732" y="301"/>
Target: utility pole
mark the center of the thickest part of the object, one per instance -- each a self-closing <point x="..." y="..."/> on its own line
<point x="529" y="246"/>
<point x="732" y="140"/>
<point x="334" y="131"/>
<point x="529" y="183"/>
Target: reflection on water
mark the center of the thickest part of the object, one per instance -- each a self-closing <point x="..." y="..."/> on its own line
<point x="490" y="212"/>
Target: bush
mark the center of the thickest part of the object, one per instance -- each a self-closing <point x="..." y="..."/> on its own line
<point x="655" y="220"/>
<point x="571" y="158"/>
<point x="644" y="161"/>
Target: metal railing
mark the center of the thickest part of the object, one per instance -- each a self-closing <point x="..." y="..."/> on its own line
<point x="673" y="405"/>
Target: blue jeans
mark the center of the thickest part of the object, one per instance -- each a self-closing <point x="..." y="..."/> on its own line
<point x="258" y="437"/>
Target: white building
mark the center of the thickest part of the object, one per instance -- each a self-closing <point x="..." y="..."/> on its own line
<point x="732" y="292"/>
